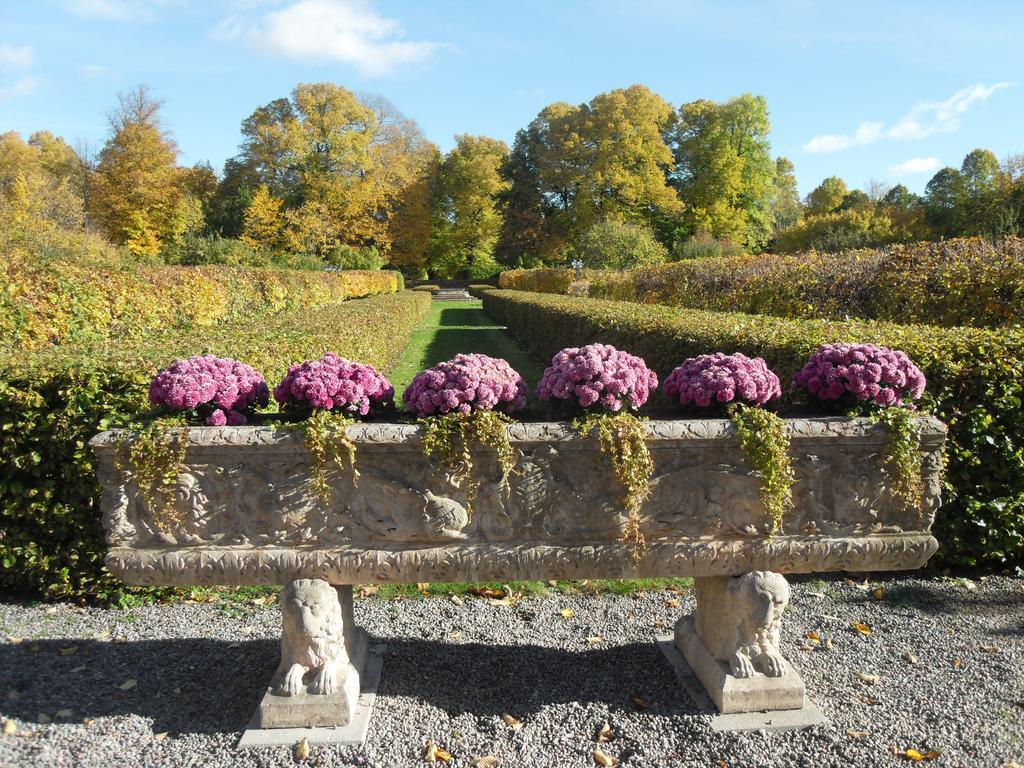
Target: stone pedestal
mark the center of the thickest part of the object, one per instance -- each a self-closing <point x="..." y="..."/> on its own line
<point x="319" y="639"/>
<point x="731" y="643"/>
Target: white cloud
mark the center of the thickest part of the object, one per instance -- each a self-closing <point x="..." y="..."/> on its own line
<point x="922" y="120"/>
<point x="915" y="165"/>
<point x="339" y="30"/>
<point x="21" y="87"/>
<point x="15" y="56"/>
<point x="94" y="71"/>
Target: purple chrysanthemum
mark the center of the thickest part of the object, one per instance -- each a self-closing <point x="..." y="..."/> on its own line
<point x="466" y="383"/>
<point x="721" y="378"/>
<point x="219" y="388"/>
<point x="334" y="383"/>
<point x="597" y="375"/>
<point x="870" y="373"/>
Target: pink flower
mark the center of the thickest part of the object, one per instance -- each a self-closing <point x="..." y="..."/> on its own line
<point x="206" y="383"/>
<point x="868" y="372"/>
<point x="597" y="374"/>
<point x="334" y="383"/>
<point x="466" y="383"/>
<point x="722" y="378"/>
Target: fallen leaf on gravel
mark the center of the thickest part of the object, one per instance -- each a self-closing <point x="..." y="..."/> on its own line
<point x="368" y="590"/>
<point x="863" y="586"/>
<point x="856" y="734"/>
<point x="160" y="736"/>
<point x="512" y="722"/>
<point x="1012" y="764"/>
<point x="879" y="593"/>
<point x="605" y="734"/>
<point x="814" y="637"/>
<point x="487" y="761"/>
<point x="595" y="639"/>
<point x="127" y="685"/>
<point x="968" y="584"/>
<point x="861" y="627"/>
<point x="500" y="601"/>
<point x="816" y="594"/>
<point x="455" y="635"/>
<point x="602" y="759"/>
<point x="917" y="756"/>
<point x="44" y="719"/>
<point x="673" y="603"/>
<point x="434" y="753"/>
<point x="957" y="662"/>
<point x="71" y="650"/>
<point x="456" y="599"/>
<point x="552" y="583"/>
<point x="496" y="594"/>
<point x="65" y="713"/>
<point x="104" y="635"/>
<point x="991" y="649"/>
<point x="870" y="679"/>
<point x="641" y="703"/>
<point x="911" y="657"/>
<point x="88" y="721"/>
<point x="302" y="749"/>
<point x="567" y="613"/>
<point x="15" y="640"/>
<point x="10" y="727"/>
<point x="51" y="610"/>
<point x="828" y="643"/>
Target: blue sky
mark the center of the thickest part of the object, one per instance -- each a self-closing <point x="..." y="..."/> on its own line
<point x="881" y="91"/>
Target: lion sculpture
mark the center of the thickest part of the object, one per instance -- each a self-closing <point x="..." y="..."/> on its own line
<point x="740" y="621"/>
<point x="312" y="638"/>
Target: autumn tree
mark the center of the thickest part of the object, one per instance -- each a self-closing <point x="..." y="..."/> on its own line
<point x="467" y="220"/>
<point x="137" y="187"/>
<point x="786" y="206"/>
<point x="411" y="221"/>
<point x="826" y="197"/>
<point x="575" y="166"/>
<point x="264" y="221"/>
<point x="723" y="169"/>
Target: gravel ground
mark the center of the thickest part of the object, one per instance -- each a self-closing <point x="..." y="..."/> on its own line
<point x="453" y="670"/>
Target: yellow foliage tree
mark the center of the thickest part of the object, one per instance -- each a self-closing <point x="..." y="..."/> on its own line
<point x="264" y="221"/>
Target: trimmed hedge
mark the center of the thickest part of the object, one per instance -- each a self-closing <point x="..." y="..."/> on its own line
<point x="68" y="302"/>
<point x="975" y="385"/>
<point x="53" y="402"/>
<point x="968" y="281"/>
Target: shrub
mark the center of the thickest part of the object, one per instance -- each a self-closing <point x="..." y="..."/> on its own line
<point x="347" y="257"/>
<point x="429" y="287"/>
<point x="704" y="246"/>
<point x="71" y="302"/>
<point x="218" y="390"/>
<point x="618" y="245"/>
<point x="466" y="383"/>
<point x="956" y="282"/>
<point x="867" y="372"/>
<point x="722" y="378"/>
<point x="53" y="401"/>
<point x="974" y="377"/>
<point x="333" y="383"/>
<point x="597" y="376"/>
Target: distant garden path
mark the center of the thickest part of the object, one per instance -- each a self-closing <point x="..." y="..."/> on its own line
<point x="460" y="326"/>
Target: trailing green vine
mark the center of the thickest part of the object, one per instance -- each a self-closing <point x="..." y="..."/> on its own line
<point x="622" y="437"/>
<point x="902" y="454"/>
<point x="152" y="454"/>
<point x="765" y="444"/>
<point x="329" y="446"/>
<point x="449" y="437"/>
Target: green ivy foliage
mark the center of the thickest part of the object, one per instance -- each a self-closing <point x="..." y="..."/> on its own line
<point x="975" y="385"/>
<point x="329" y="448"/>
<point x="449" y="438"/>
<point x="52" y="402"/>
<point x="765" y="443"/>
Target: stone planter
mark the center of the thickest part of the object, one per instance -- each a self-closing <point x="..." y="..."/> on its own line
<point x="244" y="514"/>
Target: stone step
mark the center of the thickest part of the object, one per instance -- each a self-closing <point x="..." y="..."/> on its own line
<point x="452" y="294"/>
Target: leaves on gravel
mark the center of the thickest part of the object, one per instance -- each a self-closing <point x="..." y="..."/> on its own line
<point x="916" y="755"/>
<point x="867" y="677"/>
<point x="605" y="760"/>
<point x="302" y="749"/>
<point x="435" y="754"/>
<point x="514" y="723"/>
<point x="567" y="613"/>
<point x="487" y="761"/>
<point x="595" y="639"/>
<point x="861" y="627"/>
<point x="160" y="736"/>
<point x="641" y="703"/>
<point x="604" y="734"/>
<point x="911" y="657"/>
<point x="10" y="727"/>
<point x="858" y="735"/>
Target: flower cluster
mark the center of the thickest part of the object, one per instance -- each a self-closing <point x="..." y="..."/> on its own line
<point x="723" y="378"/>
<point x="334" y="383"/>
<point x="868" y="372"/>
<point x="466" y="383"/>
<point x="597" y="374"/>
<point x="219" y="388"/>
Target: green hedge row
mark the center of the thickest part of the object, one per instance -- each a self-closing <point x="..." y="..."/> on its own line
<point x="53" y="402"/>
<point x="968" y="281"/>
<point x="67" y="302"/>
<point x="975" y="385"/>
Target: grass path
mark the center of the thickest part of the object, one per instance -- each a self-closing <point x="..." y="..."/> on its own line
<point x="459" y="326"/>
